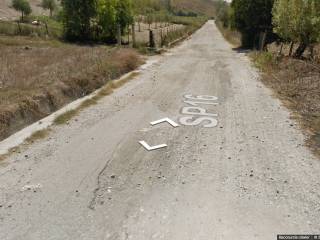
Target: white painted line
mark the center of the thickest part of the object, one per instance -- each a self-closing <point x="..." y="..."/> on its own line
<point x="171" y="122"/>
<point x="149" y="148"/>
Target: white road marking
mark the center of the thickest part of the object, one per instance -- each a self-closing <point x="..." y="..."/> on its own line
<point x="150" y="148"/>
<point x="201" y="97"/>
<point x="198" y="115"/>
<point x="196" y="103"/>
<point x="207" y="122"/>
<point x="171" y="122"/>
<point x="197" y="111"/>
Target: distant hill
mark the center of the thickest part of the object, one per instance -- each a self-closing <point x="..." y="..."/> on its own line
<point x="8" y="13"/>
<point x="199" y="6"/>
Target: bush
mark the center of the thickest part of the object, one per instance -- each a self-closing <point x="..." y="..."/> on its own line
<point x="250" y="17"/>
<point x="264" y="60"/>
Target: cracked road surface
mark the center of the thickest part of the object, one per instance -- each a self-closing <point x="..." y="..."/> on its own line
<point x="250" y="177"/>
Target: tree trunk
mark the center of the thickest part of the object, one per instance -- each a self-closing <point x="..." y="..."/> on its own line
<point x="311" y="47"/>
<point x="263" y="37"/>
<point x="46" y="25"/>
<point x="128" y="35"/>
<point x="133" y="35"/>
<point x="19" y="27"/>
<point x="119" y="34"/>
<point x="161" y="37"/>
<point x="291" y="49"/>
<point x="51" y="13"/>
<point x="280" y="51"/>
<point x="300" y="50"/>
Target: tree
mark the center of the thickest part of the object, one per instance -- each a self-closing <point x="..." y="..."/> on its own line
<point x="107" y="19"/>
<point x="251" y="17"/>
<point x="22" y="6"/>
<point x="50" y="5"/>
<point x="124" y="13"/>
<point x="297" y="21"/>
<point x="77" y="19"/>
<point x="222" y="12"/>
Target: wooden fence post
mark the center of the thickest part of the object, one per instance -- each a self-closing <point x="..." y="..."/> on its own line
<point x="119" y="34"/>
<point x="128" y="35"/>
<point x="151" y="39"/>
<point x="45" y="23"/>
<point x="133" y="35"/>
<point x="262" y="41"/>
<point x="19" y="27"/>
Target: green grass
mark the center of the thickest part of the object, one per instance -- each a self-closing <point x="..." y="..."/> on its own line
<point x="66" y="117"/>
<point x="104" y="91"/>
<point x="264" y="60"/>
<point x="12" y="28"/>
<point x="38" y="135"/>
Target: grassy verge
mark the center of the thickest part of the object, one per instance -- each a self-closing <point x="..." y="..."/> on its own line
<point x="231" y="36"/>
<point x="38" y="135"/>
<point x="48" y="27"/>
<point x="297" y="83"/>
<point x="106" y="90"/>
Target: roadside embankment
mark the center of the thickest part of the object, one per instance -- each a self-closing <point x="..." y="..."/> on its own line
<point x="297" y="83"/>
<point x="37" y="80"/>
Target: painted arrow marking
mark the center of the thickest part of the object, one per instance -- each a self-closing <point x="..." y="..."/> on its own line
<point x="172" y="123"/>
<point x="149" y="148"/>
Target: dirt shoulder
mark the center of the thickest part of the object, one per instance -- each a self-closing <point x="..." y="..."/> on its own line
<point x="38" y="78"/>
<point x="297" y="83"/>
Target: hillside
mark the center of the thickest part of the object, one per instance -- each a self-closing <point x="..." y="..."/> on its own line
<point x="8" y="13"/>
<point x="198" y="6"/>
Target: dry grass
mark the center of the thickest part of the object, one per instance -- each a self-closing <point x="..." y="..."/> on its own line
<point x="67" y="116"/>
<point x="38" y="135"/>
<point x="38" y="80"/>
<point x="231" y="36"/>
<point x="104" y="91"/>
<point x="297" y="83"/>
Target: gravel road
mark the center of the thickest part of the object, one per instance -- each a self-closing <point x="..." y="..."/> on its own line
<point x="235" y="168"/>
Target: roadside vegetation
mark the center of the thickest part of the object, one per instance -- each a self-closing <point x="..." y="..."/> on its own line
<point x="36" y="81"/>
<point x="285" y="38"/>
<point x="77" y="46"/>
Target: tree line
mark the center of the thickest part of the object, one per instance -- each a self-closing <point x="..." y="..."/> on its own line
<point x="291" y="21"/>
<point x="24" y="7"/>
<point x="102" y="20"/>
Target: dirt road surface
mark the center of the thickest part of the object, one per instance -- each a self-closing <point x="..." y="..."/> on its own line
<point x="236" y="170"/>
